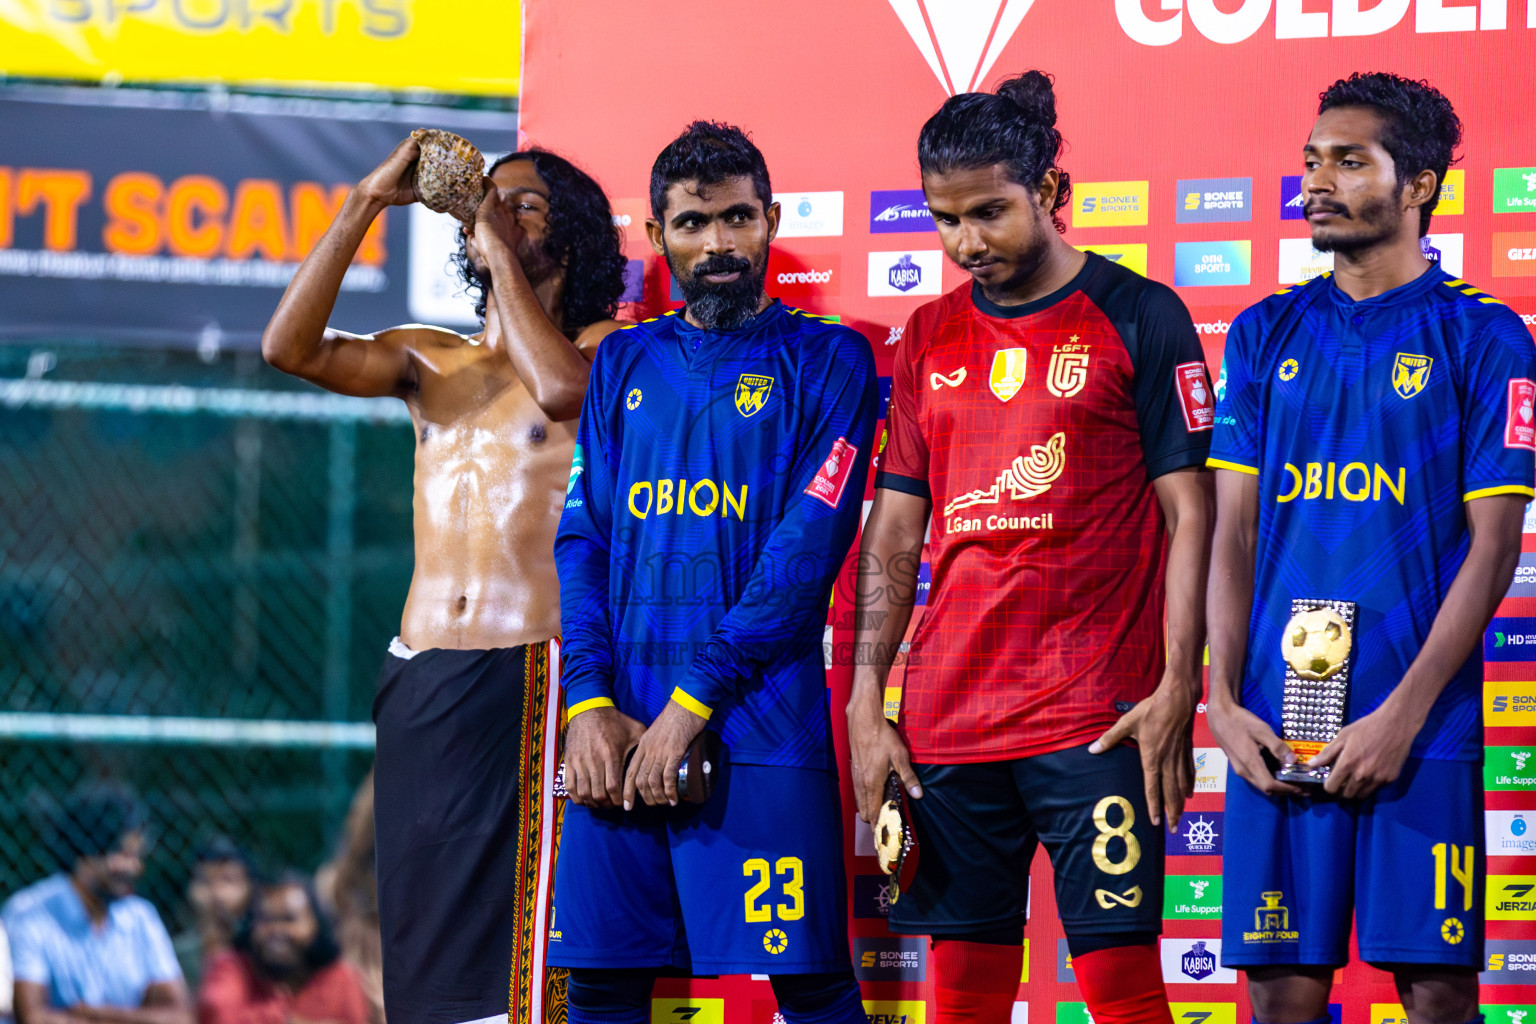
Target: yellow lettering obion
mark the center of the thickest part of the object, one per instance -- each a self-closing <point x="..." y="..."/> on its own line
<point x="1321" y="479"/>
<point x="701" y="497"/>
<point x="636" y="489"/>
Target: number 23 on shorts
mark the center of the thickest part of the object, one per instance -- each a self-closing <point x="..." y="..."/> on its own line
<point x="790" y="873"/>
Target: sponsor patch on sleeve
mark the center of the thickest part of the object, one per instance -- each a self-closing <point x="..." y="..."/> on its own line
<point x="832" y="477"/>
<point x="1195" y="396"/>
<point x="1520" y="418"/>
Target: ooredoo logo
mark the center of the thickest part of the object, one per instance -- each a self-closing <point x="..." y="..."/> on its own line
<point x="800" y="276"/>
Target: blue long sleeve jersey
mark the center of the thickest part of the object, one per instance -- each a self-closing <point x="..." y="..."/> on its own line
<point x="716" y="486"/>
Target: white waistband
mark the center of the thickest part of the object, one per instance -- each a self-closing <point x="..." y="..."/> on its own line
<point x="398" y="649"/>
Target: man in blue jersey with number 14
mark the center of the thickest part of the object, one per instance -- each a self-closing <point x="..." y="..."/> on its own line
<point x="717" y="486"/>
<point x="1374" y="450"/>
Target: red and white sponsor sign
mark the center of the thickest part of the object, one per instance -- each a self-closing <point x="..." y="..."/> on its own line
<point x="1195" y="396"/>
<point x="804" y="275"/>
<point x="1520" y="419"/>
<point x="833" y="475"/>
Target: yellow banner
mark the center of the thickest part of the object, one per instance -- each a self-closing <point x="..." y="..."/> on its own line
<point x="457" y="46"/>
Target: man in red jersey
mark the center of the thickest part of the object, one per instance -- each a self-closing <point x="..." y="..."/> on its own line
<point x="1052" y="417"/>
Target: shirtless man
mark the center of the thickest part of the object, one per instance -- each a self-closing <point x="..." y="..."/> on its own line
<point x="464" y="701"/>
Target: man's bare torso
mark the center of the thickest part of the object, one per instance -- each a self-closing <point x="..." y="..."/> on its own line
<point x="490" y="480"/>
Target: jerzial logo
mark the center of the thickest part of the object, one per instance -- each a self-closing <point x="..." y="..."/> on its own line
<point x="906" y="275"/>
<point x="961" y="41"/>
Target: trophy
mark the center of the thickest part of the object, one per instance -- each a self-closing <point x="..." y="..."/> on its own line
<point x="696" y="776"/>
<point x="1316" y="645"/>
<point x="893" y="839"/>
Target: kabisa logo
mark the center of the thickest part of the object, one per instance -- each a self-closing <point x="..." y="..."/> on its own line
<point x="1199" y="963"/>
<point x="960" y="41"/>
<point x="905" y="275"/>
<point x="1292" y="21"/>
<point x="910" y="272"/>
<point x="899" y="210"/>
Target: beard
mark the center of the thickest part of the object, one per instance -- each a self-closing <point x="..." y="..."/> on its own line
<point x="727" y="306"/>
<point x="1374" y="222"/>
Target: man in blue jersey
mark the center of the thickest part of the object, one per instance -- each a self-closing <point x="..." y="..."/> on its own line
<point x="1374" y="447"/>
<point x="717" y="485"/>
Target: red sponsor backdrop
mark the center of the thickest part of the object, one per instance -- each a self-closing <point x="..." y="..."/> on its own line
<point x="1183" y="119"/>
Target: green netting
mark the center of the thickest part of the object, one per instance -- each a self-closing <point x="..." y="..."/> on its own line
<point x="241" y="561"/>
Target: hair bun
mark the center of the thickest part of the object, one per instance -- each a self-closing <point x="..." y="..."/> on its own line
<point x="1032" y="93"/>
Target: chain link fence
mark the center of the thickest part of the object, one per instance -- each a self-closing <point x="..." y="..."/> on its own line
<point x="201" y="562"/>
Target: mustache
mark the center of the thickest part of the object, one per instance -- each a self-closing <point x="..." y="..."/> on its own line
<point x="722" y="264"/>
<point x="1320" y="205"/>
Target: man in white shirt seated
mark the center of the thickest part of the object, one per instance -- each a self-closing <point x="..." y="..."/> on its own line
<point x="84" y="948"/>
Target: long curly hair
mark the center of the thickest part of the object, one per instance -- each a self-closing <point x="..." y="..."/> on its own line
<point x="1014" y="127"/>
<point x="583" y="241"/>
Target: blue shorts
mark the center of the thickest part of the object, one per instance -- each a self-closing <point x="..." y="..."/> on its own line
<point x="749" y="883"/>
<point x="1406" y="861"/>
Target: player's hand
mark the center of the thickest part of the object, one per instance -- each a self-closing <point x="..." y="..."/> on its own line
<point x="877" y="751"/>
<point x="652" y="774"/>
<point x="1162" y="727"/>
<point x="1242" y="735"/>
<point x="595" y="744"/>
<point x="389" y="184"/>
<point x="496" y="226"/>
<point x="1368" y="753"/>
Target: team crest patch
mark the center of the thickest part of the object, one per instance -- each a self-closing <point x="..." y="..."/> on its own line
<point x="1008" y="372"/>
<point x="1195" y="397"/>
<point x="832" y="478"/>
<point x="751" y="392"/>
<point x="1410" y="373"/>
<point x="1520" y="418"/>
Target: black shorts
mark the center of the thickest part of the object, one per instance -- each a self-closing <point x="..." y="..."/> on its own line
<point x="978" y="825"/>
<point x="460" y="816"/>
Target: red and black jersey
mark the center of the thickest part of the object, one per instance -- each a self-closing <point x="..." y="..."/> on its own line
<point x="1037" y="430"/>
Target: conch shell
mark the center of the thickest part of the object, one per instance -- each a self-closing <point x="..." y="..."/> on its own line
<point x="450" y="174"/>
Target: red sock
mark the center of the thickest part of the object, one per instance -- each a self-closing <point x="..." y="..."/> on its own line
<point x="1123" y="985"/>
<point x="975" y="982"/>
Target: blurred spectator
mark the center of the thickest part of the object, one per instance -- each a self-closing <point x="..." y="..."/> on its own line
<point x="219" y="895"/>
<point x="84" y="948"/>
<point x="285" y="966"/>
<point x="348" y="887"/>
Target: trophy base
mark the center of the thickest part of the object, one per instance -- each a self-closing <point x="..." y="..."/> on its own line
<point x="1300" y="774"/>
